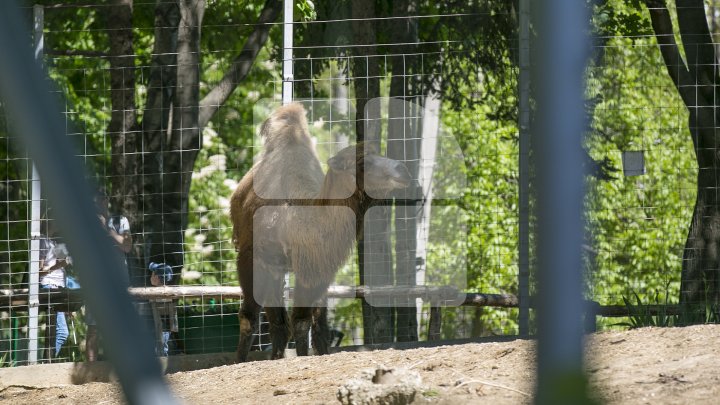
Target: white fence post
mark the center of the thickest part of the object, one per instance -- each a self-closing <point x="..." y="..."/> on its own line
<point x="35" y="210"/>
<point x="287" y="84"/>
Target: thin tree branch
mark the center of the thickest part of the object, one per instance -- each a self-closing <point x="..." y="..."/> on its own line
<point x="490" y="384"/>
<point x="73" y="52"/>
<point x="71" y="5"/>
<point x="242" y="63"/>
<point x="676" y="67"/>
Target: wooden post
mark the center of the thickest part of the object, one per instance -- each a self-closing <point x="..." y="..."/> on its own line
<point x="434" y="328"/>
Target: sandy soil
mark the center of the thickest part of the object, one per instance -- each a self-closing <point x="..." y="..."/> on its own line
<point x="652" y="365"/>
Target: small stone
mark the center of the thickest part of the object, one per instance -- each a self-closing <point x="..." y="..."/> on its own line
<point x="382" y="386"/>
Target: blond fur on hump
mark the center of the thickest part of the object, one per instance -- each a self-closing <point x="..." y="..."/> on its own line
<point x="286" y="125"/>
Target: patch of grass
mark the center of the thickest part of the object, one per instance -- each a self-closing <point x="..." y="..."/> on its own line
<point x="699" y="313"/>
<point x="641" y="315"/>
<point x="4" y="362"/>
<point x="431" y="393"/>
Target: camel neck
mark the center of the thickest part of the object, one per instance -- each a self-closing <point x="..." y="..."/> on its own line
<point x="329" y="195"/>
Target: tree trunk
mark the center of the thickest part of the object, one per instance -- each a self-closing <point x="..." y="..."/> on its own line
<point x="365" y="71"/>
<point x="156" y="124"/>
<point x="122" y="98"/>
<point x="403" y="145"/>
<point x="175" y="117"/>
<point x="374" y="251"/>
<point x="699" y="284"/>
<point x="123" y="129"/>
<point x="185" y="140"/>
<point x="695" y="78"/>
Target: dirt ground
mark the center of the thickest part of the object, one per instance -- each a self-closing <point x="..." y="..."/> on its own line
<point x="644" y="366"/>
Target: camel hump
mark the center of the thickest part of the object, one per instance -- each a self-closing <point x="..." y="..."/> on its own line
<point x="286" y="125"/>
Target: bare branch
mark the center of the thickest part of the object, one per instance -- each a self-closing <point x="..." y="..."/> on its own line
<point x="241" y="64"/>
<point x="73" y="52"/>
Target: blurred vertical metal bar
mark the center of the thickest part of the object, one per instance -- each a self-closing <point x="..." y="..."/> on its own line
<point x="563" y="50"/>
<point x="523" y="166"/>
<point x="35" y="209"/>
<point x="25" y="91"/>
<point x="287" y="87"/>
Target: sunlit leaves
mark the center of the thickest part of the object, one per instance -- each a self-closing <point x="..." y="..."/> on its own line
<point x="638" y="225"/>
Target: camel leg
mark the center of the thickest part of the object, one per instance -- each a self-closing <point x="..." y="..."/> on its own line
<point x="304" y="300"/>
<point x="301" y="322"/>
<point x="320" y="329"/>
<point x="279" y="330"/>
<point x="249" y="312"/>
<point x="278" y="319"/>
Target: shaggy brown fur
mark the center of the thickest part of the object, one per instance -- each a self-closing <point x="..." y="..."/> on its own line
<point x="289" y="216"/>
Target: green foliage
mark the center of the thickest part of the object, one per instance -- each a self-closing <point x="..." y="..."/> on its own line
<point x="305" y="10"/>
<point x="210" y="254"/>
<point x="347" y="318"/>
<point x="226" y="155"/>
<point x="14" y="335"/>
<point x="638" y="225"/>
<point x="621" y="18"/>
<point x="489" y="203"/>
<point x="475" y="60"/>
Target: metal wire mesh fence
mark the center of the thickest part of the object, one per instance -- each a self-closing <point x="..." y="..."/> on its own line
<point x="169" y="121"/>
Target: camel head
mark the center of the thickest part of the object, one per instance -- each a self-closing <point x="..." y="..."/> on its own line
<point x="378" y="175"/>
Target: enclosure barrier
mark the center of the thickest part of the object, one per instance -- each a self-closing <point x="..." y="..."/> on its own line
<point x="70" y="300"/>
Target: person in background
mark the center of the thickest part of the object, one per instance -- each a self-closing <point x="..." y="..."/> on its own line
<point x="164" y="310"/>
<point x="118" y="228"/>
<point x="54" y="259"/>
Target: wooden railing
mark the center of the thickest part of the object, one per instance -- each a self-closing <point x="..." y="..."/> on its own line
<point x="437" y="297"/>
